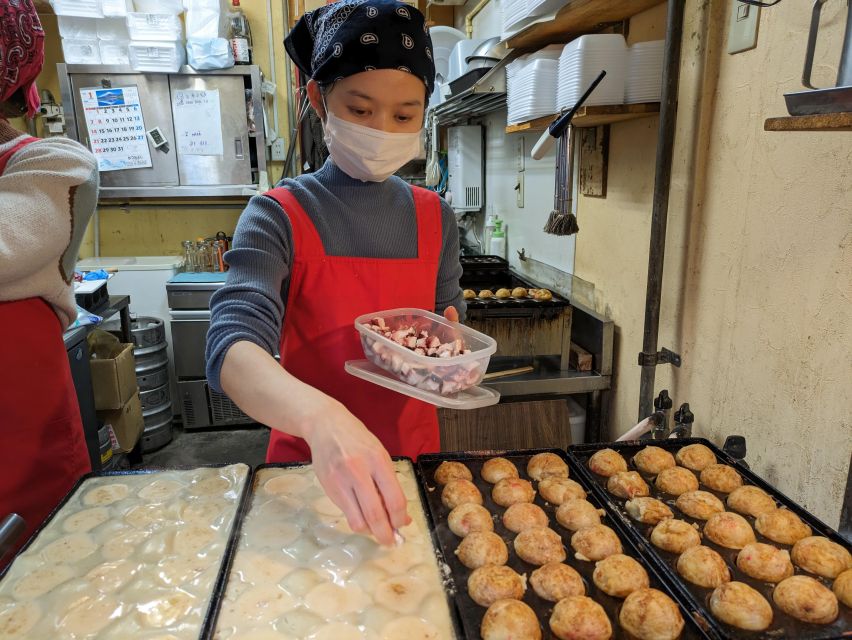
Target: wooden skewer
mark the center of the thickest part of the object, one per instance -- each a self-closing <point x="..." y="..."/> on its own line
<point x="508" y="372"/>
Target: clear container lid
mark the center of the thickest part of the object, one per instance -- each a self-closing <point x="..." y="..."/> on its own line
<point x="473" y="398"/>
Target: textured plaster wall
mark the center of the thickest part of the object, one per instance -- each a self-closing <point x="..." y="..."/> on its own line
<point x="758" y="277"/>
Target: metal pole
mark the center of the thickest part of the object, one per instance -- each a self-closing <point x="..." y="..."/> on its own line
<point x="662" y="183"/>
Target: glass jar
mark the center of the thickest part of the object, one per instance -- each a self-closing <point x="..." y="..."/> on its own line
<point x="189" y="256"/>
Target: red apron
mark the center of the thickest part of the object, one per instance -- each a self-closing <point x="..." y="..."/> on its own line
<point x="42" y="447"/>
<point x="326" y="294"/>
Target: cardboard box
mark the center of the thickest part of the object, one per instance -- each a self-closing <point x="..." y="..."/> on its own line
<point x="126" y="423"/>
<point x="113" y="377"/>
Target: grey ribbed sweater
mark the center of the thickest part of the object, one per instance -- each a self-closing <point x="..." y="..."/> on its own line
<point x="353" y="218"/>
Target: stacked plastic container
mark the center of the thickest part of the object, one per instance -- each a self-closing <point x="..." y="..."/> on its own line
<point x="156" y="36"/>
<point x="531" y="85"/>
<point x="93" y="31"/>
<point x="518" y="14"/>
<point x="580" y="63"/>
<point x="644" y="72"/>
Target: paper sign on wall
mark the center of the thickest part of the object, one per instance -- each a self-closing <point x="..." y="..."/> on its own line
<point x="198" y="122"/>
<point x="116" y="128"/>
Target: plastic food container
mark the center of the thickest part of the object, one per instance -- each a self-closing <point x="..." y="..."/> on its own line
<point x="75" y="28"/>
<point x="165" y="57"/>
<point x="165" y="27"/>
<point x="81" y="51"/>
<point x="79" y="8"/>
<point x="445" y="376"/>
<point x="114" y="51"/>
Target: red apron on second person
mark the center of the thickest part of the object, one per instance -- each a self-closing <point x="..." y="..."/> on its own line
<point x="326" y="294"/>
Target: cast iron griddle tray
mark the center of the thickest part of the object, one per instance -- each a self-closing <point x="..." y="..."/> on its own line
<point x="783" y="626"/>
<point x="470" y="612"/>
<point x="218" y="591"/>
<point x="448" y="585"/>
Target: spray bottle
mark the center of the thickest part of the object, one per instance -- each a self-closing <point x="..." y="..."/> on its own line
<point x="498" y="240"/>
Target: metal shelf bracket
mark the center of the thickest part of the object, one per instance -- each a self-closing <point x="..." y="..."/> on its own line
<point x="664" y="356"/>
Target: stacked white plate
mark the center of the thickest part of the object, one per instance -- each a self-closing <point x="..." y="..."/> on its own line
<point x="517" y="14"/>
<point x="644" y="72"/>
<point x="531" y="85"/>
<point x="581" y="62"/>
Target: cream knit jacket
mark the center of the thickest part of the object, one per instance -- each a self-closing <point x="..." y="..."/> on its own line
<point x="48" y="194"/>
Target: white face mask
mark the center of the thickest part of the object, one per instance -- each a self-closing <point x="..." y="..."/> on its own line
<point x="368" y="154"/>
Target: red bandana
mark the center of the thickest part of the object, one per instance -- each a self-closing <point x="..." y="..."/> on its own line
<point x="21" y="51"/>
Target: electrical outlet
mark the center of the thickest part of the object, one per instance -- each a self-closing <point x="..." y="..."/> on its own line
<point x="519" y="189"/>
<point x="520" y="152"/>
<point x="742" y="31"/>
<point x="279" y="151"/>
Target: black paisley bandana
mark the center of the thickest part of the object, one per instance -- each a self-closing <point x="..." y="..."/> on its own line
<point x="351" y="36"/>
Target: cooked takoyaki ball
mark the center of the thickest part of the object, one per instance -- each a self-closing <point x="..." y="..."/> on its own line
<point x="491" y="583"/>
<point x="469" y="518"/>
<point x="497" y="469"/>
<point x="821" y="556"/>
<point x="696" y="457"/>
<point x="751" y="501"/>
<point x="449" y="470"/>
<point x="648" y="510"/>
<point x="676" y="481"/>
<point x="577" y="514"/>
<point x="806" y="599"/>
<point x="546" y="465"/>
<point x="704" y="567"/>
<point x="764" y="562"/>
<point x="721" y="478"/>
<point x="782" y="526"/>
<point x="653" y="460"/>
<point x="607" y="463"/>
<point x="543" y="294"/>
<point x="701" y="505"/>
<point x="842" y="587"/>
<point x="595" y="543"/>
<point x="486" y="294"/>
<point x="469" y="294"/>
<point x="519" y="292"/>
<point x="729" y="530"/>
<point x="556" y="580"/>
<point x="458" y="492"/>
<point x="740" y="606"/>
<point x="648" y="614"/>
<point x="539" y="546"/>
<point x="482" y="548"/>
<point x="524" y="515"/>
<point x="511" y="491"/>
<point x="675" y="536"/>
<point x="627" y="484"/>
<point x="620" y="575"/>
<point x="580" y="618"/>
<point x="503" y="294"/>
<point x="509" y="619"/>
<point x="558" y="490"/>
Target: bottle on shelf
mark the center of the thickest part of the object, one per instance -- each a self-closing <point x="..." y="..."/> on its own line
<point x="498" y="240"/>
<point x="239" y="35"/>
<point x="489" y="228"/>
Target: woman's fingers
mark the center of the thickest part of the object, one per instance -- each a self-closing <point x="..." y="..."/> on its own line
<point x="392" y="495"/>
<point x="373" y="508"/>
<point x="451" y="314"/>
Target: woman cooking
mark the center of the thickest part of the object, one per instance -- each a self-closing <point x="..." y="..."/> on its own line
<point x="48" y="192"/>
<point x="318" y="251"/>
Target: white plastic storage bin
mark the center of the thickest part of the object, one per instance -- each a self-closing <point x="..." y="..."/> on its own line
<point x="116" y="8"/>
<point x="81" y="51"/>
<point x="75" y="28"/>
<point x="442" y="375"/>
<point x="112" y="29"/>
<point x="162" y="27"/>
<point x="114" y="51"/>
<point x="157" y="57"/>
<point x="581" y="62"/>
<point x="577" y="421"/>
<point x="644" y="72"/>
<point x="159" y="6"/>
<point x="79" y="8"/>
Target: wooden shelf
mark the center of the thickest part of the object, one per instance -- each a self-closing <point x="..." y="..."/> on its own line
<point x="819" y="122"/>
<point x="593" y="116"/>
<point x="576" y="18"/>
